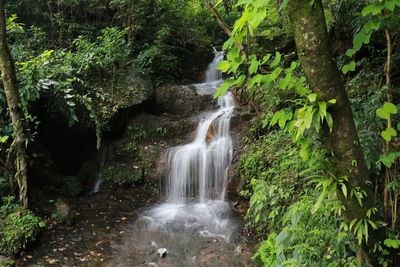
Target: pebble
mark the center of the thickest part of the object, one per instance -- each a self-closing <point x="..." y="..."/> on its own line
<point x="162" y="252"/>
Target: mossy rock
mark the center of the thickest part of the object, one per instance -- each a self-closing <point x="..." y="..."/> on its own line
<point x="18" y="228"/>
<point x="121" y="174"/>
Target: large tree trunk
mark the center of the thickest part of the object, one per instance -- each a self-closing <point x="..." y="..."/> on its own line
<point x="8" y="76"/>
<point x="325" y="79"/>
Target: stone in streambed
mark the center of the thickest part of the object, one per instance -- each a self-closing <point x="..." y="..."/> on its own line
<point x="162" y="252"/>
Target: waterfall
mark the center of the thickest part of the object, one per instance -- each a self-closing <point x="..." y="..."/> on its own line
<point x="195" y="212"/>
<point x="194" y="222"/>
<point x="198" y="170"/>
<point x="212" y="74"/>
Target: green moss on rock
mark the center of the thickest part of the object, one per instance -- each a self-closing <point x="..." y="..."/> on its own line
<point x="122" y="174"/>
<point x="18" y="227"/>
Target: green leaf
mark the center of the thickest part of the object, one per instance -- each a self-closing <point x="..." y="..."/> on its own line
<point x="344" y="190"/>
<point x="312" y="98"/>
<point x="371" y="9"/>
<point x="392" y="243"/>
<point x="276" y="60"/>
<point x="361" y="38"/>
<point x="350" y="52"/>
<point x="389" y="159"/>
<point x="224" y="65"/>
<point x="254" y="66"/>
<point x="224" y="87"/>
<point x="329" y="121"/>
<point x="304" y="149"/>
<point x="383" y="114"/>
<point x="385" y="135"/>
<point x="349" y="67"/>
<point x="308" y="117"/>
<point x="390" y="108"/>
<point x="266" y="58"/>
<point x="389" y="4"/>
<point x="391" y="131"/>
<point x="322" y="110"/>
<point x="3" y="139"/>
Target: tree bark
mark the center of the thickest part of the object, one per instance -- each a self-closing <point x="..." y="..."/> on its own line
<point x="324" y="78"/>
<point x="13" y="98"/>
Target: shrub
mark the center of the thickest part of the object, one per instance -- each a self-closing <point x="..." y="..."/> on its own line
<point x="272" y="169"/>
<point x="18" y="227"/>
<point x="124" y="174"/>
<point x="307" y="239"/>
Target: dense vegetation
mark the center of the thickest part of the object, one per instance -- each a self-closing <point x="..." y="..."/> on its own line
<point x="319" y="78"/>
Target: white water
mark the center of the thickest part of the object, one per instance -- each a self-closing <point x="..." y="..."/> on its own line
<point x="196" y="178"/>
<point x="195" y="213"/>
<point x="198" y="170"/>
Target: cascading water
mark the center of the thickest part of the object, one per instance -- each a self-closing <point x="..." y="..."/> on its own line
<point x="196" y="173"/>
<point x="212" y="73"/>
<point x="194" y="214"/>
<point x="198" y="170"/>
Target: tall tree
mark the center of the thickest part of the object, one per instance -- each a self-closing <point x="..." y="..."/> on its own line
<point x="314" y="50"/>
<point x="18" y="147"/>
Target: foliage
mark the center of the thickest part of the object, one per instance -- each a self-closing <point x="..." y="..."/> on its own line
<point x="302" y="114"/>
<point x="18" y="227"/>
<point x="124" y="175"/>
<point x="307" y="238"/>
<point x="274" y="172"/>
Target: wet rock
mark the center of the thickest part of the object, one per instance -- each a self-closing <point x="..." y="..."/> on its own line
<point x="180" y="100"/>
<point x="162" y="252"/>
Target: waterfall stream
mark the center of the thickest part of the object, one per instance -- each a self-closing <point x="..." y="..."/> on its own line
<point x="196" y="173"/>
<point x="194" y="218"/>
<point x="198" y="170"/>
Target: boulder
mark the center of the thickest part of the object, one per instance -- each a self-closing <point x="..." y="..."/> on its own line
<point x="181" y="100"/>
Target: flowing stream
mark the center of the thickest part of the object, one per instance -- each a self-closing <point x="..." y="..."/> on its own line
<point x="194" y="225"/>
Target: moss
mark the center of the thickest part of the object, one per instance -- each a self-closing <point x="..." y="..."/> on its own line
<point x="122" y="174"/>
<point x="18" y="228"/>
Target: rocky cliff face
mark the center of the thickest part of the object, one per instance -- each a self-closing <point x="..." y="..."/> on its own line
<point x="69" y="158"/>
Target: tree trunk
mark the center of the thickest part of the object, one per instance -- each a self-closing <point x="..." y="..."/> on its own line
<point x="313" y="48"/>
<point x="8" y="76"/>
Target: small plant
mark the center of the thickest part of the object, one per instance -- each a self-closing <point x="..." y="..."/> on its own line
<point x="161" y="131"/>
